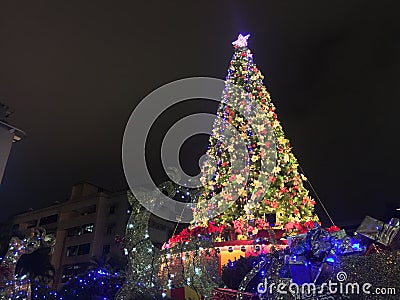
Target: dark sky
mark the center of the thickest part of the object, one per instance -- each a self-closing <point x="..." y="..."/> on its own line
<point x="74" y="71"/>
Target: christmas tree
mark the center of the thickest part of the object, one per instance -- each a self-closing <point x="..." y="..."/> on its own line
<point x="268" y="181"/>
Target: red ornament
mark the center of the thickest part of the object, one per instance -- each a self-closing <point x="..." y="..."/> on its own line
<point x="333" y="229"/>
<point x="309" y="224"/>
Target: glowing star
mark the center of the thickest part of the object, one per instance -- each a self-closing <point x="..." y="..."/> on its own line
<point x="241" y="41"/>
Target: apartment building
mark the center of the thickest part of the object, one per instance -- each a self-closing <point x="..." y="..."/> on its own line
<point x="85" y="226"/>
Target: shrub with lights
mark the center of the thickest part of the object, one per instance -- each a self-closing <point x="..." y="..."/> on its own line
<point x="95" y="284"/>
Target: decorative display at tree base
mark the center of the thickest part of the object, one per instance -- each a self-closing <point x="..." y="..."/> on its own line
<point x="193" y="264"/>
<point x="92" y="284"/>
<point x="386" y="234"/>
<point x="13" y="286"/>
<point x="319" y="257"/>
<point x="151" y="270"/>
<point x="228" y="294"/>
<point x="183" y="293"/>
<point x="231" y="251"/>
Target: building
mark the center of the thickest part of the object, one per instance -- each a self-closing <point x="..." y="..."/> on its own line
<point x="8" y="135"/>
<point x="85" y="227"/>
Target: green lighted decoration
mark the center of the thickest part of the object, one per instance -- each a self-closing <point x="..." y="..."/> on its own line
<point x="152" y="271"/>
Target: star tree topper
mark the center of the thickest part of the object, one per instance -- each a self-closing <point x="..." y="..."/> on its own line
<point x="241" y="41"/>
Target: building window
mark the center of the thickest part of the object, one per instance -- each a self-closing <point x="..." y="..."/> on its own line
<point x="72" y="251"/>
<point x="74" y="231"/>
<point x="110" y="229"/>
<point x="48" y="220"/>
<point x="88" y="210"/>
<point x="79" y="230"/>
<point x="88" y="228"/>
<point x="78" y="250"/>
<point x="83" y="249"/>
<point x="112" y="210"/>
<point x="106" y="249"/>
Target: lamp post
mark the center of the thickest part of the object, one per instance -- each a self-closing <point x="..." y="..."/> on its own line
<point x="8" y="135"/>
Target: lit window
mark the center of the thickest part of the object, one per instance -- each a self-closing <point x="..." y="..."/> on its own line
<point x="88" y="228"/>
<point x="79" y="230"/>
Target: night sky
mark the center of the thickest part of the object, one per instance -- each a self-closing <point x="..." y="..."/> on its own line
<point x="74" y="71"/>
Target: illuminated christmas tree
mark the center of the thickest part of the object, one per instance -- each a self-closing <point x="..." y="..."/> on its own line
<point x="269" y="181"/>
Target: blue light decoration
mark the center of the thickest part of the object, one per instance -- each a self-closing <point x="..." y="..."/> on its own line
<point x="348" y="245"/>
<point x="93" y="284"/>
<point x="231" y="264"/>
<point x="356" y="246"/>
<point x="99" y="283"/>
<point x="331" y="259"/>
